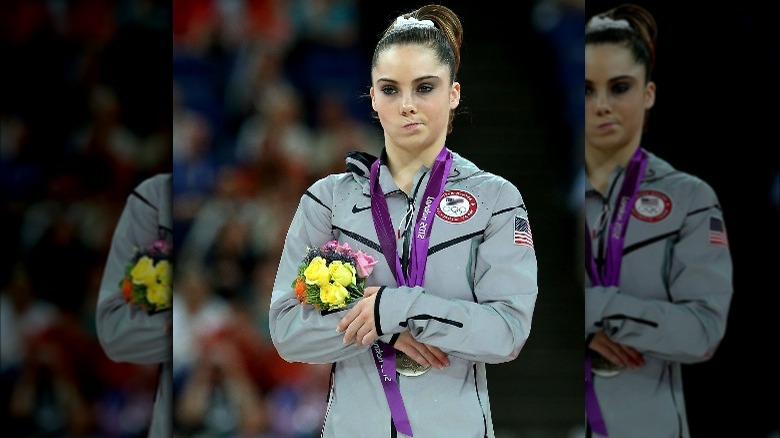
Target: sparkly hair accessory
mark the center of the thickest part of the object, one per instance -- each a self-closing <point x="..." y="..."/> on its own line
<point x="601" y="23"/>
<point x="411" y="21"/>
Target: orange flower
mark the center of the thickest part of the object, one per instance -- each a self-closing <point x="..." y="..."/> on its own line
<point x="127" y="289"/>
<point x="300" y="289"/>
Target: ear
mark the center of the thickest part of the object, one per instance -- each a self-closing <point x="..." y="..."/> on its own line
<point x="649" y="95"/>
<point x="373" y="98"/>
<point x="455" y="95"/>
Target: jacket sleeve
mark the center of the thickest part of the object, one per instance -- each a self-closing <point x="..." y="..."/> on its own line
<point x="495" y="327"/>
<point x="302" y="333"/>
<point x="689" y="327"/>
<point x="127" y="333"/>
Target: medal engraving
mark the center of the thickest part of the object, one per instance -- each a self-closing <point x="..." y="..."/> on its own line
<point x="408" y="367"/>
<point x="601" y="366"/>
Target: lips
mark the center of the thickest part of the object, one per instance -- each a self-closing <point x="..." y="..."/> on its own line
<point x="606" y="126"/>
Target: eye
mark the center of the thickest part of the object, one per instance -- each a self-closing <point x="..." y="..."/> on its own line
<point x="425" y="88"/>
<point x="588" y="90"/>
<point x="387" y="89"/>
<point x="620" y="88"/>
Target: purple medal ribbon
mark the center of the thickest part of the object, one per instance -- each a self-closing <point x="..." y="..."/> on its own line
<point x="384" y="354"/>
<point x="610" y="276"/>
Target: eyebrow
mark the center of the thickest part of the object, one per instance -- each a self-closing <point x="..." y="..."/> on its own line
<point x="615" y="79"/>
<point x="420" y="79"/>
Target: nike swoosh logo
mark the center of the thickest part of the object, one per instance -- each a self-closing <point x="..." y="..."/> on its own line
<point x="355" y="208"/>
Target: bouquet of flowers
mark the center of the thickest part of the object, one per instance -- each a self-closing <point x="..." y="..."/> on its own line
<point x="333" y="276"/>
<point x="148" y="278"/>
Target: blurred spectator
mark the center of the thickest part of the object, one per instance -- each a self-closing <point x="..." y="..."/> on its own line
<point x="340" y="132"/>
<point x="219" y="398"/>
<point x="197" y="313"/>
<point x="276" y="143"/>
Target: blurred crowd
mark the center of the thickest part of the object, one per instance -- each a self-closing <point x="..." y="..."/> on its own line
<point x="268" y="97"/>
<point x="82" y="122"/>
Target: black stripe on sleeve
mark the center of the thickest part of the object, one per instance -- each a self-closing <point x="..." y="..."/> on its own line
<point x="444" y="245"/>
<point x="649" y="241"/>
<point x="144" y="200"/>
<point x="316" y="199"/>
<point x="507" y="210"/>
<point x="364" y="240"/>
<point x="435" y="318"/>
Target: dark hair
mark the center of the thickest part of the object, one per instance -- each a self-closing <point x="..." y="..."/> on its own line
<point x="639" y="39"/>
<point x="444" y="38"/>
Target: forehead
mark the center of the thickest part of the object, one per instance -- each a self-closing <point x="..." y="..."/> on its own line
<point x="408" y="59"/>
<point x="605" y="61"/>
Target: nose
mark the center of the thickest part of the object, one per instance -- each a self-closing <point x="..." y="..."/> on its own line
<point x="407" y="105"/>
<point x="601" y="104"/>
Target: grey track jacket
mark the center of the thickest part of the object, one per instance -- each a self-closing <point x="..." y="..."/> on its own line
<point x="673" y="299"/>
<point x="131" y="334"/>
<point x="477" y="303"/>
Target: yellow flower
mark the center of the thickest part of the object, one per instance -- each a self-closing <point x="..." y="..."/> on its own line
<point x="334" y="295"/>
<point x="144" y="272"/>
<point x="317" y="272"/>
<point x="159" y="295"/>
<point x="163" y="268"/>
<point x="343" y="274"/>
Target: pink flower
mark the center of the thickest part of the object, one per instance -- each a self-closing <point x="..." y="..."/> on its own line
<point x="365" y="263"/>
<point x="341" y="249"/>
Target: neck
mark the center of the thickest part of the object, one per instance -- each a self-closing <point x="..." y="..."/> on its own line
<point x="599" y="164"/>
<point x="405" y="164"/>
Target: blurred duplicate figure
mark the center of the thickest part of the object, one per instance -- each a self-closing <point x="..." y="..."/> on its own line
<point x="658" y="264"/>
<point x="453" y="283"/>
<point x="133" y="310"/>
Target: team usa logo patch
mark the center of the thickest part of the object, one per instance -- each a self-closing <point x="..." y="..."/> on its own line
<point x="651" y="206"/>
<point x="523" y="232"/>
<point x="456" y="206"/>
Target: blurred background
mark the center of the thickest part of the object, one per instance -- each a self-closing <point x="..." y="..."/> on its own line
<point x="712" y="118"/>
<point x="84" y="117"/>
<point x="249" y="102"/>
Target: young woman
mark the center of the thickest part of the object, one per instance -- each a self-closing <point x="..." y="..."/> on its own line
<point x="659" y="273"/>
<point x="454" y="287"/>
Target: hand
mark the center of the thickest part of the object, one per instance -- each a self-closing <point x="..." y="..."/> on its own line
<point x="423" y="354"/>
<point x="617" y="353"/>
<point x="358" y="324"/>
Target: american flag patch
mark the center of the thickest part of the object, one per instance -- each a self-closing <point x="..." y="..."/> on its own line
<point x="718" y="232"/>
<point x="523" y="232"/>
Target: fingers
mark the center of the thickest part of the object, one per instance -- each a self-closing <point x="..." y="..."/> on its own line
<point x="348" y="318"/>
<point x="436" y="356"/>
<point x="358" y="324"/>
<point x="433" y="355"/>
<point x="631" y="357"/>
<point x="618" y="354"/>
<point x="371" y="290"/>
<point x="421" y="353"/>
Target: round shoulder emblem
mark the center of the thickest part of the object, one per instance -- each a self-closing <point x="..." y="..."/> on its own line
<point x="651" y="206"/>
<point x="456" y="206"/>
